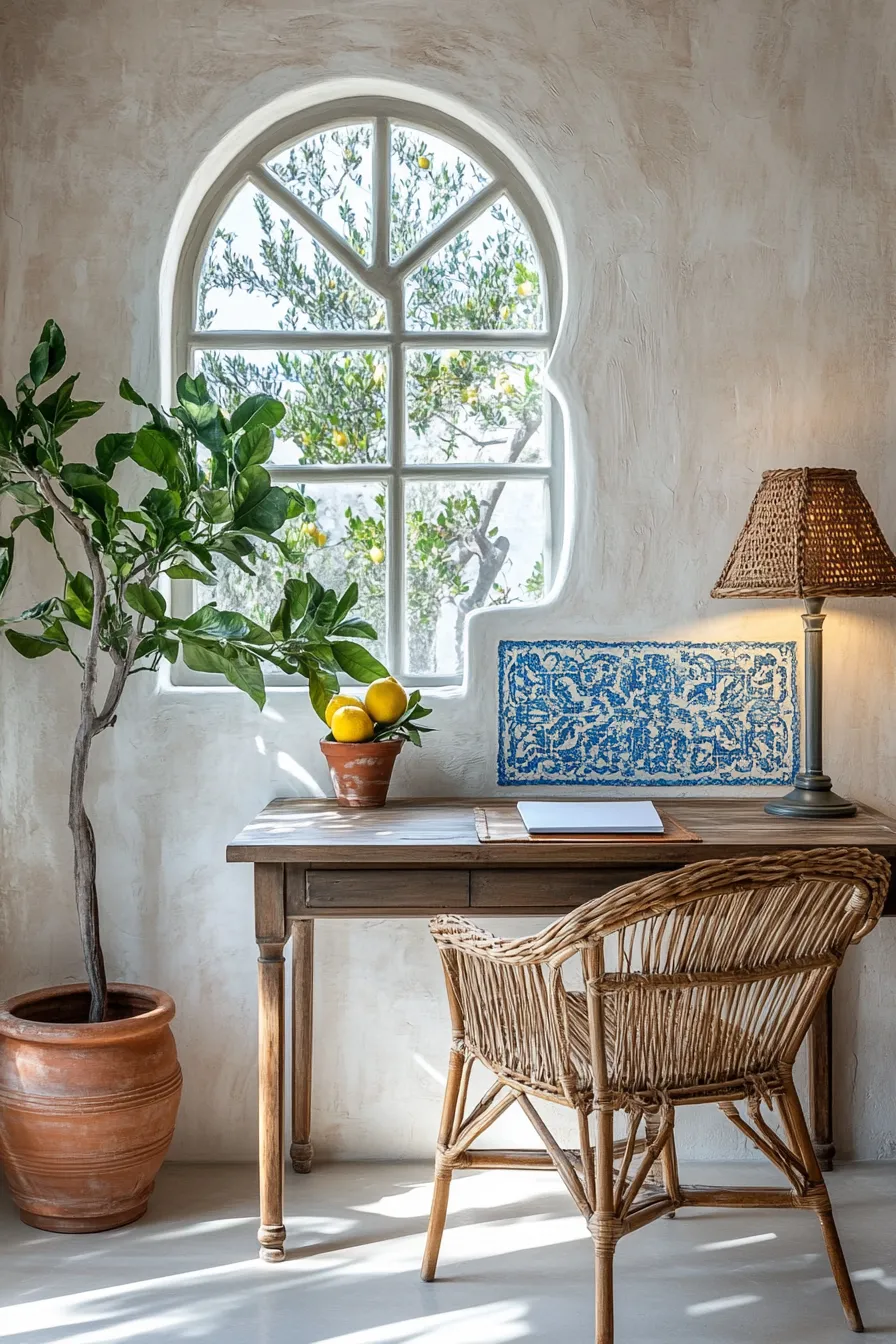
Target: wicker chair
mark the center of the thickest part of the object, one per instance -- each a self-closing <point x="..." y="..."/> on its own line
<point x="720" y="969"/>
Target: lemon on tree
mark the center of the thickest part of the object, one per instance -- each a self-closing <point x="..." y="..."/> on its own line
<point x="351" y="724"/>
<point x="386" y="700"/>
<point x="339" y="702"/>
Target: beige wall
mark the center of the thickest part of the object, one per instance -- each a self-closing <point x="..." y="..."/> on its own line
<point x="724" y="173"/>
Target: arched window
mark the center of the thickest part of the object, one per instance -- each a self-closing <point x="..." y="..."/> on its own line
<point x="391" y="278"/>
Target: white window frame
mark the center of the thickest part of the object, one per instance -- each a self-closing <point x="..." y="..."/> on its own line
<point x="385" y="278"/>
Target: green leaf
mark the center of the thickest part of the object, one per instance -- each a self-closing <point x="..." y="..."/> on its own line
<point x="112" y="449"/>
<point x="163" y="505"/>
<point x="322" y="686"/>
<point x="253" y="447"/>
<point x="38" y="646"/>
<point x="241" y="668"/>
<point x="7" y="550"/>
<point x="256" y="410"/>
<point x="202" y="554"/>
<point x="147" y="601"/>
<point x="25" y="493"/>
<point x="7" y="423"/>
<point x="79" y="596"/>
<point x="208" y="620"/>
<point x="90" y="487"/>
<point x="54" y="339"/>
<point x="39" y="363"/>
<point x="356" y="628"/>
<point x="54" y="406"/>
<point x="229" y="547"/>
<point x="260" y="512"/>
<point x="75" y="411"/>
<point x="196" y="409"/>
<point x="43" y="519"/>
<point x="127" y="393"/>
<point x="297" y="502"/>
<point x="297" y="592"/>
<point x="156" y="450"/>
<point x="357" y="661"/>
<point x="182" y="570"/>
<point x="157" y="642"/>
<point x="348" y="600"/>
<point x="217" y="505"/>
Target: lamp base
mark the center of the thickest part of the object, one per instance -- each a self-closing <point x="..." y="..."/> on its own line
<point x="811" y="798"/>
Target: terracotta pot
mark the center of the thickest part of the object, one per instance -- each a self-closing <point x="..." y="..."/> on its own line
<point x="361" y="771"/>
<point x="87" y="1109"/>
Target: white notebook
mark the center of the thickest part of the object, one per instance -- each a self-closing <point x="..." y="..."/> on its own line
<point x="575" y="818"/>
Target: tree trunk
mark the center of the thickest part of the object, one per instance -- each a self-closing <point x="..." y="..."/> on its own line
<point x="85" y="876"/>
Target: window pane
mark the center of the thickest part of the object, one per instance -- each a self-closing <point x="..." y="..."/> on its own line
<point x="335" y="399"/>
<point x="342" y="539"/>
<point x="475" y="406"/>
<point x="469" y="545"/>
<point x="430" y="180"/>
<point x="331" y="174"/>
<point x="264" y="271"/>
<point x="486" y="279"/>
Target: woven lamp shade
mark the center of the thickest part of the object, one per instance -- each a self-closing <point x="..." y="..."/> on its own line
<point x="810" y="532"/>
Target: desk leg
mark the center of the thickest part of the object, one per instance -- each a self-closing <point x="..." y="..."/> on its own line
<point x="300" y="1150"/>
<point x="821" y="1083"/>
<point x="270" y="934"/>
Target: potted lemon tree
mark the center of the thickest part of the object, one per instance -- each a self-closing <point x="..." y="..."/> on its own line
<point x="366" y="736"/>
<point x="89" y="1077"/>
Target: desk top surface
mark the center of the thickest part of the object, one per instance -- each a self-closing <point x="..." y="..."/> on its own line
<point x="441" y="833"/>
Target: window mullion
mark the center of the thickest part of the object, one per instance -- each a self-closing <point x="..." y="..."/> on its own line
<point x="382" y="191"/>
<point x="395" y="557"/>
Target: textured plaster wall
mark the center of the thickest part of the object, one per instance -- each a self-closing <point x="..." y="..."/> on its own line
<point x="724" y="178"/>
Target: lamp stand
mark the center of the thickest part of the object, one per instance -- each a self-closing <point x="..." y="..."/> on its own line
<point x="812" y="795"/>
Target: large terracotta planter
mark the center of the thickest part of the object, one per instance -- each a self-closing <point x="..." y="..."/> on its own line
<point x="361" y="771"/>
<point x="87" y="1110"/>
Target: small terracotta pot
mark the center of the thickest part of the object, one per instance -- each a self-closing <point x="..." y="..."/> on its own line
<point x="87" y="1109"/>
<point x="361" y="771"/>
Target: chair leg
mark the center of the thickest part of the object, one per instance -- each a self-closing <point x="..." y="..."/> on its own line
<point x="437" y="1216"/>
<point x="798" y="1133"/>
<point x="443" y="1172"/>
<point x="603" y="1300"/>
<point x="664" y="1171"/>
<point x="603" y="1228"/>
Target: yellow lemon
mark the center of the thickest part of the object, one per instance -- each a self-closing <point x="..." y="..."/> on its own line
<point x="320" y="538"/>
<point x="339" y="702"/>
<point x="340" y="438"/>
<point x="525" y="289"/>
<point x="377" y="554"/>
<point x="309" y="529"/>
<point x="424" y="162"/>
<point x="385" y="700"/>
<point x="351" y="724"/>
<point x="379" y="373"/>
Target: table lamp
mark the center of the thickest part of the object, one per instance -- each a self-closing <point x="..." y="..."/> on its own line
<point x="810" y="533"/>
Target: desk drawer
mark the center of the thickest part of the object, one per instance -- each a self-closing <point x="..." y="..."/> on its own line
<point x="546" y="888"/>
<point x="395" y="889"/>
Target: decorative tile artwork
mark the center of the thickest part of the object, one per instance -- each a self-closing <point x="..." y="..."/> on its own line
<point x="582" y="712"/>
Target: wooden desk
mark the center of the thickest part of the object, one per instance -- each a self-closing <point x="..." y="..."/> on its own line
<point x="316" y="861"/>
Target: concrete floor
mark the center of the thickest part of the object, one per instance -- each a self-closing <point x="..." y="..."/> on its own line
<point x="516" y="1265"/>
